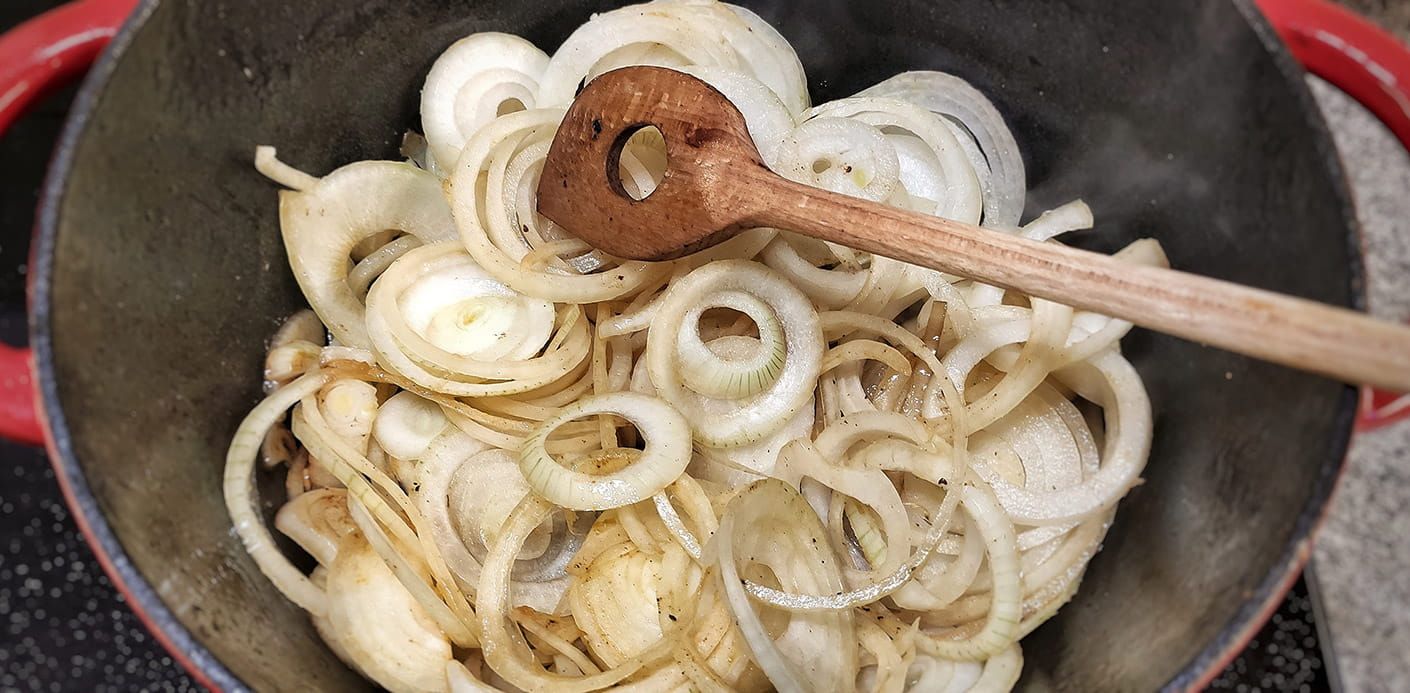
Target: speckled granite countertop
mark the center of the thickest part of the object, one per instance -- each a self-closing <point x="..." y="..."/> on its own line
<point x="1362" y="556"/>
<point x="1361" y="560"/>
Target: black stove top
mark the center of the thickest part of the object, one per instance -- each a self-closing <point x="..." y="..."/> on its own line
<point x="64" y="627"/>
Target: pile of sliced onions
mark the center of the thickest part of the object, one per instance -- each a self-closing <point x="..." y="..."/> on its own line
<point x="521" y="464"/>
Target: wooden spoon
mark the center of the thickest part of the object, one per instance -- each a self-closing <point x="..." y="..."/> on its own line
<point x="716" y="184"/>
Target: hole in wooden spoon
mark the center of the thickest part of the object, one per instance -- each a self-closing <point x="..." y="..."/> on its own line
<point x="640" y="162"/>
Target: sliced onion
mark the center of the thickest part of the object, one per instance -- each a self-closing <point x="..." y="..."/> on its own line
<point x="240" y="501"/>
<point x="769" y="524"/>
<point x="436" y="319"/>
<point x="764" y="413"/>
<point x="665" y="456"/>
<point x="267" y="163"/>
<point x="751" y="367"/>
<point x="406" y="424"/>
<point x="829" y="288"/>
<point x="962" y="197"/>
<point x="317" y="521"/>
<point x="953" y="97"/>
<point x="844" y="156"/>
<point x="323" y="223"/>
<point x="1118" y="388"/>
<point x="380" y="627"/>
<point x="504" y="647"/>
<point x="633" y="25"/>
<point x="461" y="680"/>
<point x="617" y="601"/>
<point x="742" y="464"/>
<point x="483" y="491"/>
<point x="1001" y="671"/>
<point x="369" y="268"/>
<point x="1000" y="629"/>
<point x="477" y="79"/>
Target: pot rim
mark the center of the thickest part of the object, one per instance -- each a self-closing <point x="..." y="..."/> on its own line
<point x="202" y="665"/>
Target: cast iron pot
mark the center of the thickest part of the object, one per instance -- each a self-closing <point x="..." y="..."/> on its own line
<point x="159" y="274"/>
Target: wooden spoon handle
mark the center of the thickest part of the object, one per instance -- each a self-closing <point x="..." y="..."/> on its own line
<point x="1295" y="332"/>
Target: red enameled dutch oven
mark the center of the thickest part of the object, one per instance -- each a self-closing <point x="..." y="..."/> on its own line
<point x="158" y="273"/>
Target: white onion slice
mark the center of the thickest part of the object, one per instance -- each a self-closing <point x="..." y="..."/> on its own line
<point x="758" y="416"/>
<point x="953" y="97"/>
<point x="406" y="424"/>
<point x="666" y="454"/>
<point x="317" y="521"/>
<point x="323" y="223"/>
<point x="770" y="524"/>
<point x="381" y="628"/>
<point x="844" y="156"/>
<point x="476" y="80"/>
<point x="239" y="490"/>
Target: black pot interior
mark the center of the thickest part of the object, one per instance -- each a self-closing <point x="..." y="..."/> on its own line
<point x="1172" y="119"/>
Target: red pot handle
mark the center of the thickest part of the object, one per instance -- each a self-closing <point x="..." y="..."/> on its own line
<point x="36" y="57"/>
<point x="1372" y="67"/>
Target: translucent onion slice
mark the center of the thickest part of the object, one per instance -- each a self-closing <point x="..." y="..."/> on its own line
<point x="744" y="372"/>
<point x="459" y="308"/>
<point x="406" y="544"/>
<point x="828" y="288"/>
<point x="643" y="24"/>
<point x="770" y="525"/>
<point x="742" y="464"/>
<point x="758" y="416"/>
<point x="1110" y="381"/>
<point x="429" y="490"/>
<point x="380" y="627"/>
<point x="442" y="501"/>
<point x="239" y="490"/>
<point x="786" y="76"/>
<point x="617" y="603"/>
<point x="317" y="521"/>
<point x="666" y="454"/>
<point x="461" y="680"/>
<point x="761" y="50"/>
<point x="948" y="95"/>
<point x="323" y="223"/>
<point x="481" y="494"/>
<point x="962" y="198"/>
<point x="479" y="316"/>
<point x="481" y="217"/>
<point x="504" y="647"/>
<point x="477" y="79"/>
<point x="1001" y="671"/>
<point x="1000" y="629"/>
<point x="871" y="487"/>
<point x="407" y="424"/>
<point x="844" y="156"/>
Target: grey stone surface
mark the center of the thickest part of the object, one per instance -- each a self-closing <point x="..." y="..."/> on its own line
<point x="1362" y="556"/>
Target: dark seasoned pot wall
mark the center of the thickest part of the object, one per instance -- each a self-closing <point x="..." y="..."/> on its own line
<point x="161" y="274"/>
